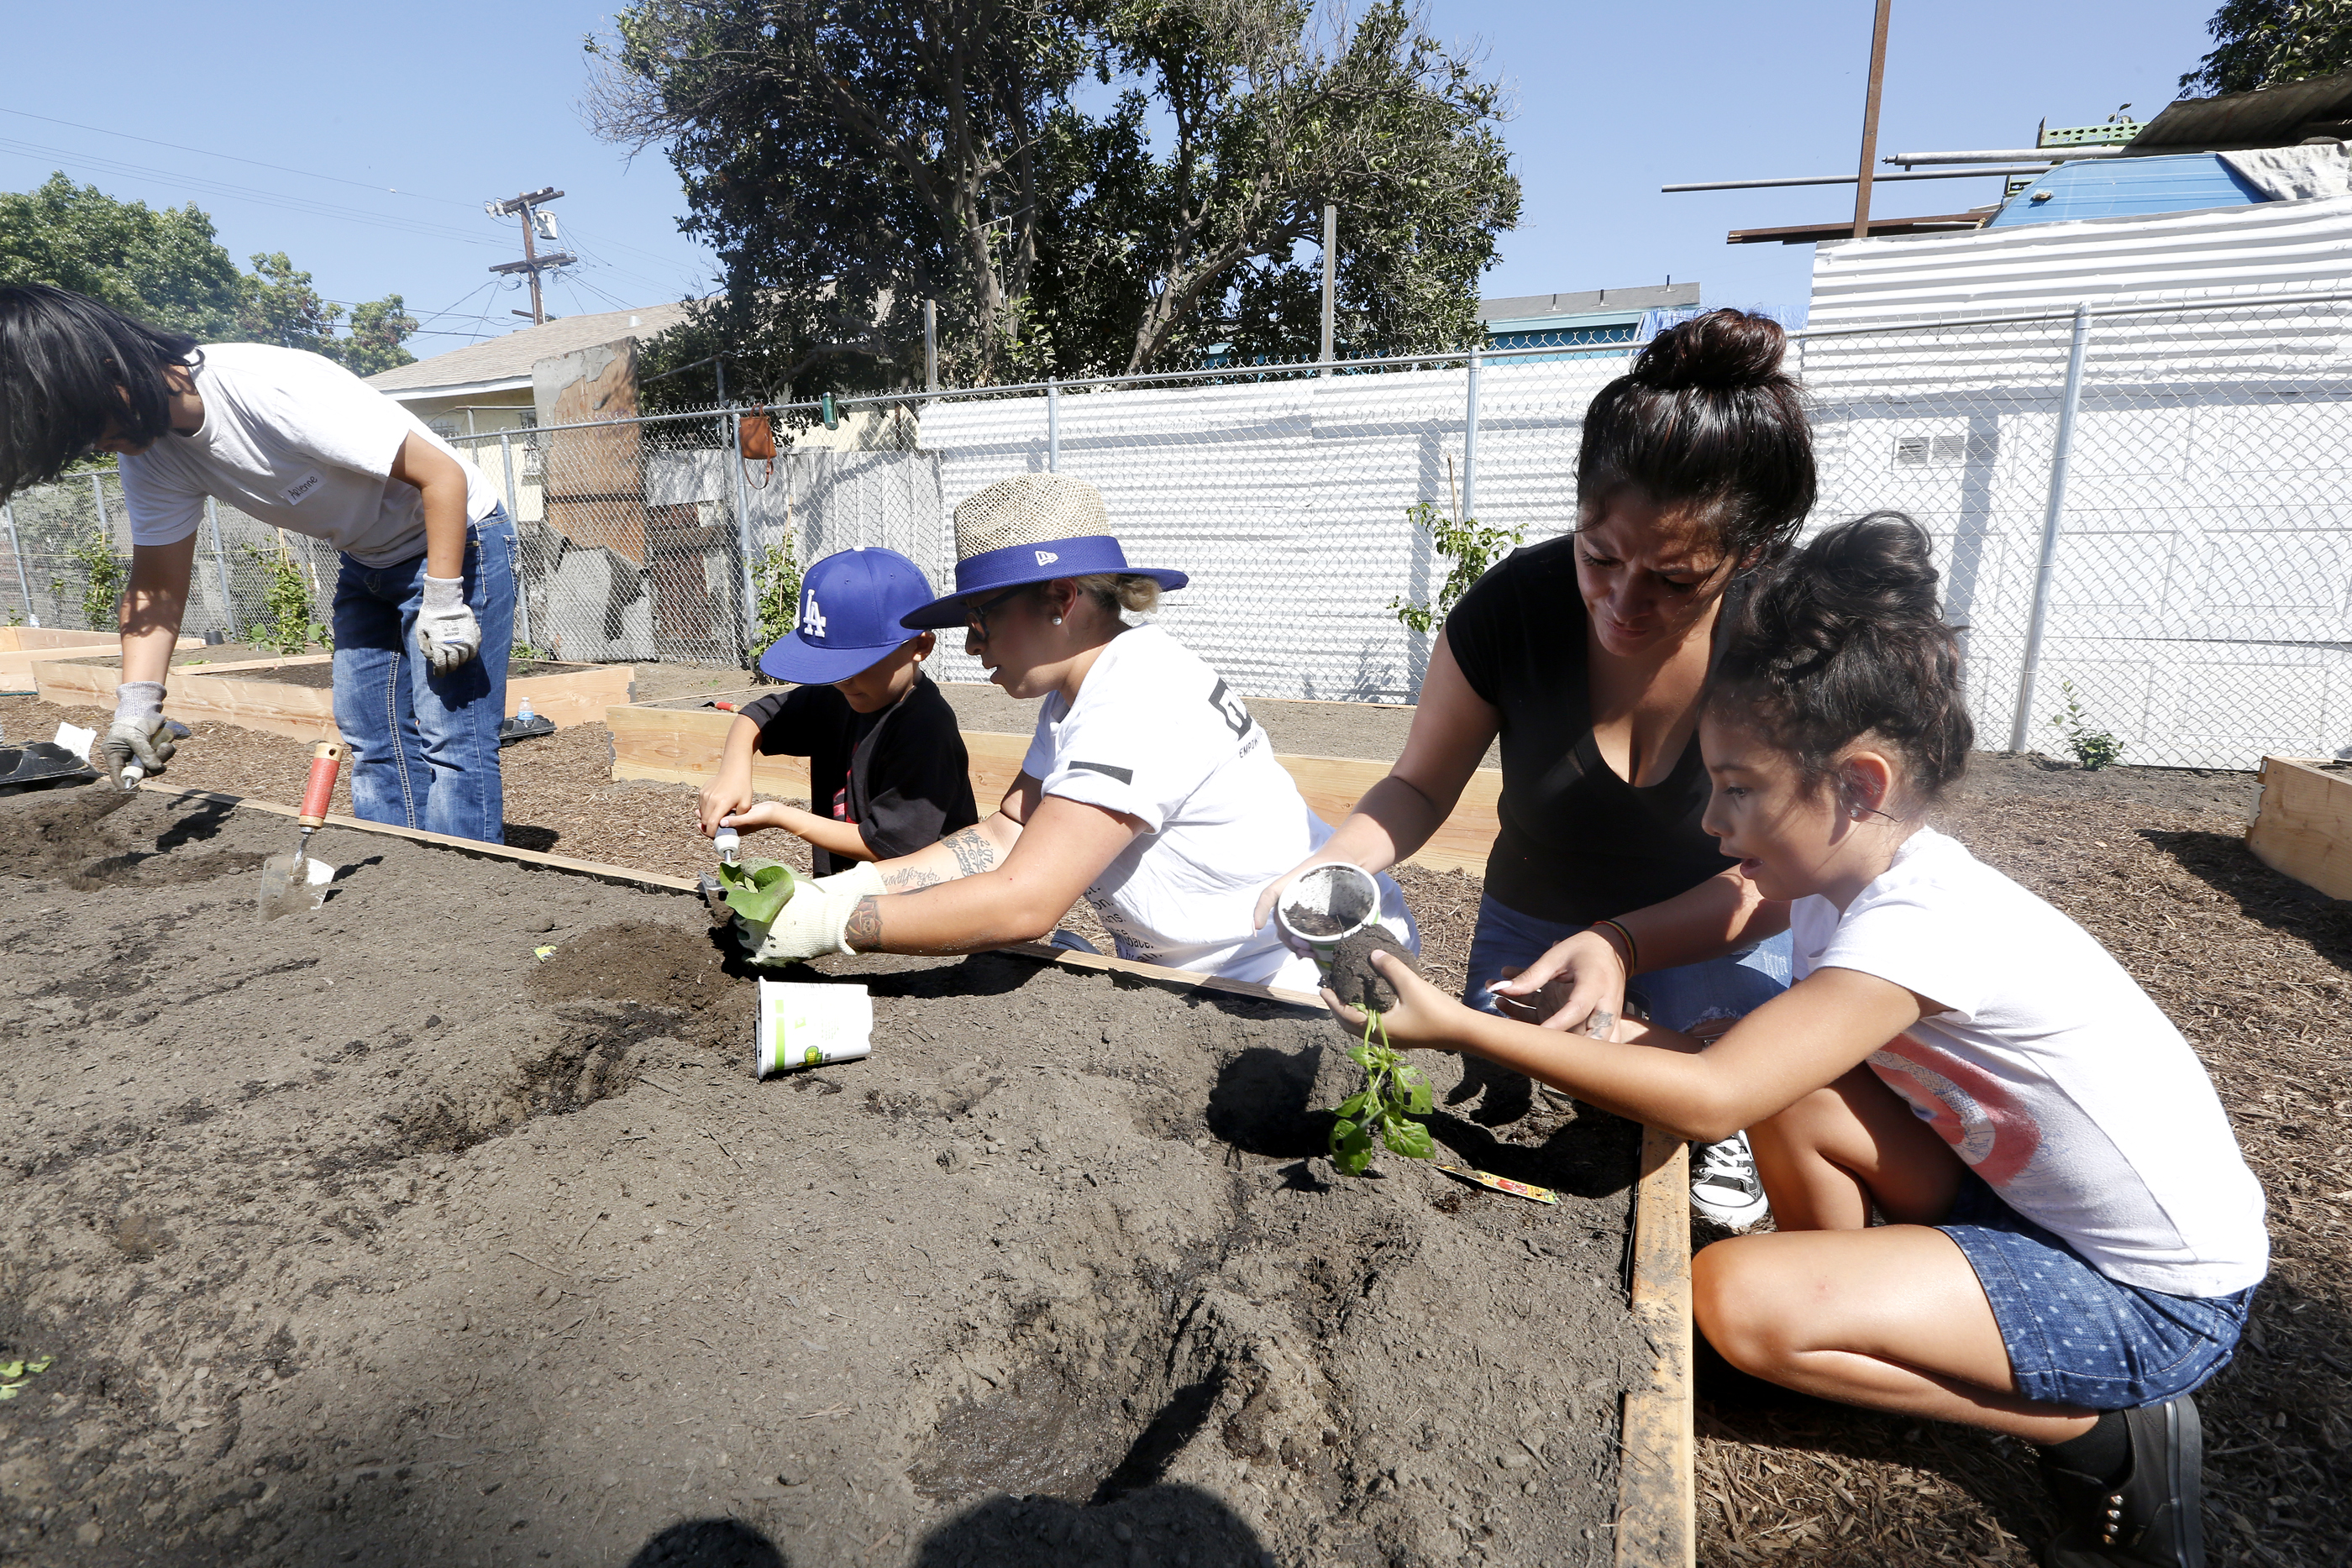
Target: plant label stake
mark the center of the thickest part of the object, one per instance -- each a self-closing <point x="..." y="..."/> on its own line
<point x="290" y="883"/>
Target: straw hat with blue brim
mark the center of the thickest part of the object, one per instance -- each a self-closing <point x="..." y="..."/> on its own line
<point x="1033" y="528"/>
<point x="851" y="606"/>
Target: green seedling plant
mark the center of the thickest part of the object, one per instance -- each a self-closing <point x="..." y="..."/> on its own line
<point x="104" y="576"/>
<point x="757" y="893"/>
<point x="1471" y="548"/>
<point x="288" y="624"/>
<point x="1394" y="1092"/>
<point x="15" y="1374"/>
<point x="2093" y="748"/>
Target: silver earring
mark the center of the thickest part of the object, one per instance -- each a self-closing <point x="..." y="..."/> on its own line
<point x="1058" y="621"/>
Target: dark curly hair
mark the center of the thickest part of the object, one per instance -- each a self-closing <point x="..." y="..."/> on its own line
<point x="1708" y="419"/>
<point x="69" y="365"/>
<point x="1843" y="640"/>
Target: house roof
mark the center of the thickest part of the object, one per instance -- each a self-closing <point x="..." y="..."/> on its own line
<point x="504" y="362"/>
<point x="1649" y="297"/>
<point x="2269" y="117"/>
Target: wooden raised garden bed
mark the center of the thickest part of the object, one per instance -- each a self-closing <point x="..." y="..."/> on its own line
<point x="21" y="645"/>
<point x="2304" y="826"/>
<point x="295" y="696"/>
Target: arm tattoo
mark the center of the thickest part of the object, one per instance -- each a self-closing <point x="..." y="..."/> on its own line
<point x="864" y="930"/>
<point x="910" y="879"/>
<point x="974" y="851"/>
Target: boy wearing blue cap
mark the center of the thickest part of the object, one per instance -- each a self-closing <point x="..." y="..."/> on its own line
<point x="888" y="773"/>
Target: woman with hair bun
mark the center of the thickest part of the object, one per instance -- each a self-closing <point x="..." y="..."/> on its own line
<point x="2072" y="1237"/>
<point x="1586" y="653"/>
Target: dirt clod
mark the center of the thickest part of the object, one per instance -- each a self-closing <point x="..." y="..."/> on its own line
<point x="1356" y="981"/>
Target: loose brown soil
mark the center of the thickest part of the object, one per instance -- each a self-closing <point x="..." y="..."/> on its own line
<point x="369" y="1237"/>
<point x="2253" y="967"/>
<point x="1354" y="980"/>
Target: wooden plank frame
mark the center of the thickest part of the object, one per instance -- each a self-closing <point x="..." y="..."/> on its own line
<point x="1656" y="1525"/>
<point x="308" y="713"/>
<point x="682" y="745"/>
<point x="21" y="646"/>
<point x="2304" y="826"/>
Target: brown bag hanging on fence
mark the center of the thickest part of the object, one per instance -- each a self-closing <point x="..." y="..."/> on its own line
<point x="756" y="439"/>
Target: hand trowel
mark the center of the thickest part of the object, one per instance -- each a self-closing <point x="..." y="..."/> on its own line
<point x="291" y="882"/>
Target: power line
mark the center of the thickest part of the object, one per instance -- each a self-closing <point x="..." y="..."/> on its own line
<point x="234" y="158"/>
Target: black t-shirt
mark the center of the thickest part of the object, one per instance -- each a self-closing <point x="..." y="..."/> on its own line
<point x="901" y="774"/>
<point x="1578" y="842"/>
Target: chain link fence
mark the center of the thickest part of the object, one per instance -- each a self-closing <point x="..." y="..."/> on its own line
<point x="2142" y="514"/>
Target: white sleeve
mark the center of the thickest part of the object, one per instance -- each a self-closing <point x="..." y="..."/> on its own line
<point x="160" y="513"/>
<point x="323" y="411"/>
<point x="1912" y="938"/>
<point x="1126" y="757"/>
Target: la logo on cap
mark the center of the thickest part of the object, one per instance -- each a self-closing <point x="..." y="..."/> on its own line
<point x="812" y="619"/>
<point x="1046" y="557"/>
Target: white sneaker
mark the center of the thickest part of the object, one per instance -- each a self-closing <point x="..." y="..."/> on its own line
<point x="1725" y="1187"/>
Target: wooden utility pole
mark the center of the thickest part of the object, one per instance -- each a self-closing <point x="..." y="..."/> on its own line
<point x="532" y="262"/>
<point x="1870" y="124"/>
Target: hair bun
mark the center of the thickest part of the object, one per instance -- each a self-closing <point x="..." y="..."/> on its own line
<point x="1719" y="350"/>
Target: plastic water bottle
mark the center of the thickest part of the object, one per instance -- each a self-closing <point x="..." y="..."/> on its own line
<point x="523" y="713"/>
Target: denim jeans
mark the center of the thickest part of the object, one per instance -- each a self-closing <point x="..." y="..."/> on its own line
<point x="1730" y="987"/>
<point x="425" y="748"/>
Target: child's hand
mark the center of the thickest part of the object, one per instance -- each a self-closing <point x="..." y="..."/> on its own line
<point x="764" y="814"/>
<point x="1424" y="1016"/>
<point x="720" y="797"/>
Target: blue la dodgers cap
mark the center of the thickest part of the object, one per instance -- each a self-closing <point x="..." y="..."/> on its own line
<point x="851" y="606"/>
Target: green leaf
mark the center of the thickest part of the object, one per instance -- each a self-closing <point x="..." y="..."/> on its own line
<point x="1352" y="1108"/>
<point x="1418" y="1101"/>
<point x="42" y="1365"/>
<point x="1355" y="1156"/>
<point x="11" y="1370"/>
<point x="1410" y="1139"/>
<point x="758" y="894"/>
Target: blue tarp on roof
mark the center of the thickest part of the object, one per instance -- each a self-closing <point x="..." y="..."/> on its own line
<point x="2119" y="187"/>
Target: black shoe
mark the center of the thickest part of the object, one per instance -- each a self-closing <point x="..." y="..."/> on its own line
<point x="2150" y="1517"/>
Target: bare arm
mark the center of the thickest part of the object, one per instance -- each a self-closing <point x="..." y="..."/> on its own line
<point x="1803" y="1038"/>
<point x="1720" y="915"/>
<point x="152" y="607"/>
<point x="1451" y="731"/>
<point x="1062" y="847"/>
<point x="441" y="480"/>
<point x="731" y="790"/>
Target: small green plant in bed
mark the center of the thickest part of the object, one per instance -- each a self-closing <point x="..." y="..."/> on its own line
<point x="1383" y="1111"/>
<point x="2093" y="748"/>
<point x="756" y="893"/>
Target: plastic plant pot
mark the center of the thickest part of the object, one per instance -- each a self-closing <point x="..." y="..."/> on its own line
<point x="1326" y="906"/>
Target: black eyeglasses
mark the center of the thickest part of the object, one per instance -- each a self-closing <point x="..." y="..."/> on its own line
<point x="975" y="617"/>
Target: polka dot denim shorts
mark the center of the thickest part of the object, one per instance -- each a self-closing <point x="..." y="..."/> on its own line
<point x="2073" y="1336"/>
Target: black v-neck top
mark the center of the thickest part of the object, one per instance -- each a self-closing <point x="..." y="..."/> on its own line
<point x="1578" y="842"/>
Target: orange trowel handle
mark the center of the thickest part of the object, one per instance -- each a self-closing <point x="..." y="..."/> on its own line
<point x="326" y="761"/>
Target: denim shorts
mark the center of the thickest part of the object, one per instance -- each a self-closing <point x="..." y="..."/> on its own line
<point x="2076" y="1337"/>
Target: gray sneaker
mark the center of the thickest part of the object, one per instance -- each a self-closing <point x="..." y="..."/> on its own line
<point x="1724" y="1186"/>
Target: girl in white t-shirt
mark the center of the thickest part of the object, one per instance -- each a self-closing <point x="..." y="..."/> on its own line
<point x="2073" y="1239"/>
<point x="1148" y="789"/>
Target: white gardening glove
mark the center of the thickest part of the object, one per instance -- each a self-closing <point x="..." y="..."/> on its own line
<point x="139" y="733"/>
<point x="813" y="923"/>
<point x="447" y="632"/>
<point x="861" y="880"/>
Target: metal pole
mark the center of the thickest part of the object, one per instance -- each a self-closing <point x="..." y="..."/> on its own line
<point x="1870" y="124"/>
<point x="744" y="543"/>
<point x="1052" y="426"/>
<point x="1470" y="444"/>
<point x="220" y="564"/>
<point x="514" y="521"/>
<point x="16" y="549"/>
<point x="2050" y="518"/>
<point x="930" y="345"/>
<point x="1330" y="276"/>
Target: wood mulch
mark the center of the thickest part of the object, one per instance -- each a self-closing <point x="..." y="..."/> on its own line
<point x="2256" y="969"/>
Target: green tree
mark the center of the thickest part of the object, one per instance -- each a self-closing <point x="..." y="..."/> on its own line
<point x="163" y="266"/>
<point x="849" y="160"/>
<point x="166" y="268"/>
<point x="2263" y="43"/>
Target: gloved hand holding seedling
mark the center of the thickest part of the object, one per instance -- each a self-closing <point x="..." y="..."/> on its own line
<point x="1394" y="1092"/>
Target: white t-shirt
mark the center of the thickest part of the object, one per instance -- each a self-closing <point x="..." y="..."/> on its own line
<point x="1156" y="733"/>
<point x="300" y="443"/>
<point x="2051" y="1074"/>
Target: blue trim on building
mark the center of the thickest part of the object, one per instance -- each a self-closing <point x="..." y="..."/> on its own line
<point x="2128" y="187"/>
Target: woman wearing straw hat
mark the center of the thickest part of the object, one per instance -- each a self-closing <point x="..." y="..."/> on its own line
<point x="1148" y="789"/>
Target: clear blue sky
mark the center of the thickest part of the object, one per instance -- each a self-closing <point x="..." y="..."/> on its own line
<point x="449" y="104"/>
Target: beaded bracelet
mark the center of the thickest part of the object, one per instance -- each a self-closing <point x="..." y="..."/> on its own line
<point x="1632" y="951"/>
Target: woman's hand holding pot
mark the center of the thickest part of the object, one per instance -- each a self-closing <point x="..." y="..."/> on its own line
<point x="1574" y="979"/>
